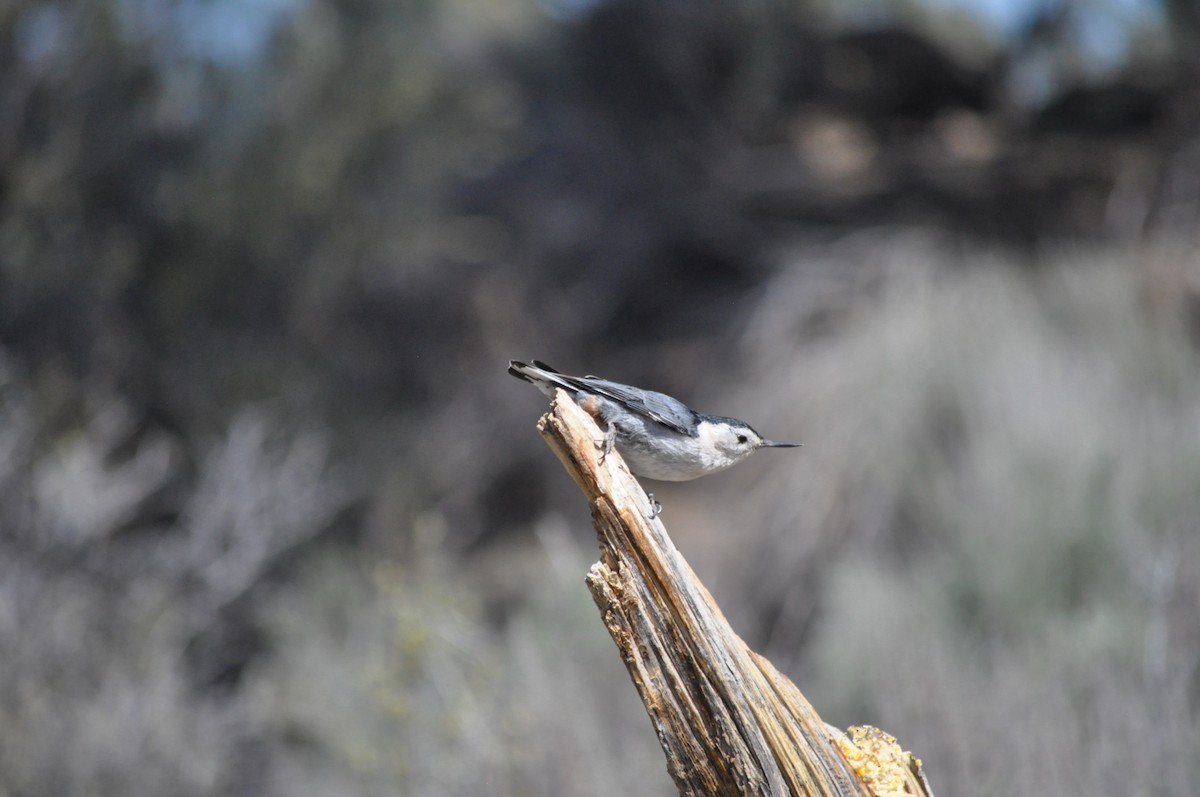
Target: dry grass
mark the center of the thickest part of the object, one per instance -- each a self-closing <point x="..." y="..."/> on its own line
<point x="990" y="546"/>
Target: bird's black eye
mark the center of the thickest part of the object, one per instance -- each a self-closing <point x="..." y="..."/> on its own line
<point x="743" y="439"/>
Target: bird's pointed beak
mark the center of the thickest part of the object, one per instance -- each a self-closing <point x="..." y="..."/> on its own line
<point x="773" y="444"/>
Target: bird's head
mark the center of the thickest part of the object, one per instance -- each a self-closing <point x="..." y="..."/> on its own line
<point x="734" y="440"/>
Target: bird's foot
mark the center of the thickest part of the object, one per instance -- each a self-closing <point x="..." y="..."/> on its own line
<point x="606" y="443"/>
<point x="655" y="507"/>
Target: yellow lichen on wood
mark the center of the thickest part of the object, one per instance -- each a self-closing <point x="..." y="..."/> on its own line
<point x="886" y="768"/>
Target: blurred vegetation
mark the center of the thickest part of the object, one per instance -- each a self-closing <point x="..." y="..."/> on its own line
<point x="274" y="520"/>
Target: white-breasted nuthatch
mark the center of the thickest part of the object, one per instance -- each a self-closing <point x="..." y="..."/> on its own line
<point x="659" y="437"/>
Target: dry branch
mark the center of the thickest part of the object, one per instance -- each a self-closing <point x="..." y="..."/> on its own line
<point x="728" y="721"/>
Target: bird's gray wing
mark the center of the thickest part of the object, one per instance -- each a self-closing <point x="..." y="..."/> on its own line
<point x="672" y="413"/>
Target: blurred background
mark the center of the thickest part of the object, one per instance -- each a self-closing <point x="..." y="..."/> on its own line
<point x="275" y="521"/>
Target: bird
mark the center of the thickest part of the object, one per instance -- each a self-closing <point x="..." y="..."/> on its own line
<point x="659" y="437"/>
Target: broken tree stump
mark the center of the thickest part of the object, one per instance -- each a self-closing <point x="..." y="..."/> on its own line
<point x="728" y="721"/>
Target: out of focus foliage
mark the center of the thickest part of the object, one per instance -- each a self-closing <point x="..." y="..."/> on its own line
<point x="274" y="520"/>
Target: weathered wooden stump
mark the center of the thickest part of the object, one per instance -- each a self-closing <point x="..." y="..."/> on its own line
<point x="728" y="721"/>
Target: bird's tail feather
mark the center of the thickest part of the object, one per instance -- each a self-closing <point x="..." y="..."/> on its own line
<point x="542" y="376"/>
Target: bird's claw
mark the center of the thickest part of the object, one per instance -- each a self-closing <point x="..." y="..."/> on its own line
<point x="655" y="507"/>
<point x="607" y="442"/>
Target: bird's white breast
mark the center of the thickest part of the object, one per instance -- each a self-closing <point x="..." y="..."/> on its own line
<point x="663" y="454"/>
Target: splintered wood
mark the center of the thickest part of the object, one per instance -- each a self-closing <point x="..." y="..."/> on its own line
<point x="728" y="721"/>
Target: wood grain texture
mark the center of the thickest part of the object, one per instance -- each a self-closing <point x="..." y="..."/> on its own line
<point x="728" y="721"/>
